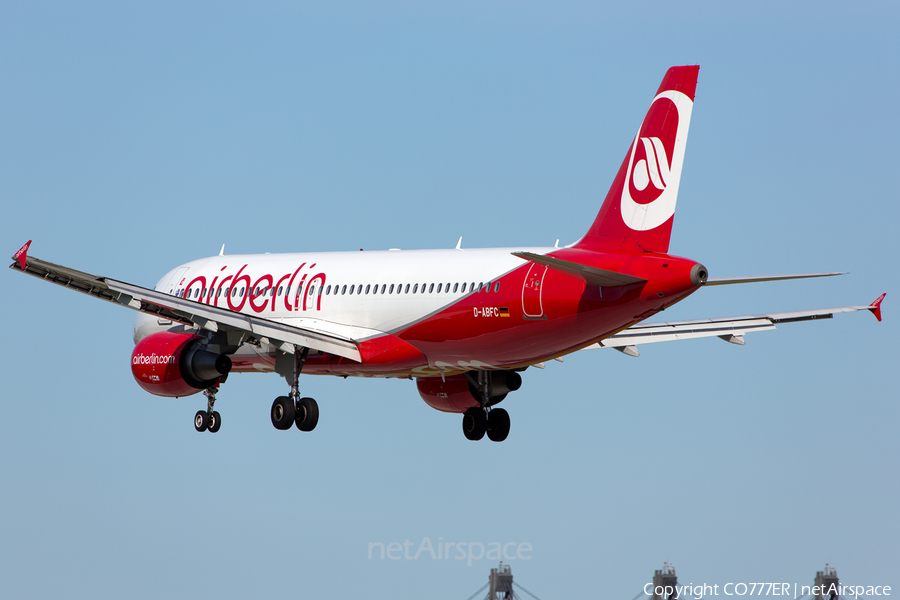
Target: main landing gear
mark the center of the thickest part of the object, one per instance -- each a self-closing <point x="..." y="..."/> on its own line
<point x="209" y="419"/>
<point x="494" y="421"/>
<point x="291" y="410"/>
<point x="479" y="420"/>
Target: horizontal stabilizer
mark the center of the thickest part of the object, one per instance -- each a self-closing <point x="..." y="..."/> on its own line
<point x="591" y="275"/>
<point x="755" y="278"/>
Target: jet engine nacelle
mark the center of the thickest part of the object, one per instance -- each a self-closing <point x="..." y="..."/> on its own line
<point x="176" y="364"/>
<point x="458" y="392"/>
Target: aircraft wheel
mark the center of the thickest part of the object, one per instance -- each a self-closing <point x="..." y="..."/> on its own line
<point x="307" y="416"/>
<point x="283" y="413"/>
<point x="201" y="421"/>
<point x="474" y="423"/>
<point x="215" y="422"/>
<point x="497" y="425"/>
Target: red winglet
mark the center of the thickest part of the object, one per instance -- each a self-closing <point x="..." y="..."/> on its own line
<point x="22" y="254"/>
<point x="875" y="307"/>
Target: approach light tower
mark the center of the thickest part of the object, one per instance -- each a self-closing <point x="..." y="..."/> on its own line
<point x="500" y="583"/>
<point x="500" y="586"/>
<point x="827" y="584"/>
<point x="665" y="579"/>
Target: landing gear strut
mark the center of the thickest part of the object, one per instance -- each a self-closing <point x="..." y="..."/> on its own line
<point x="209" y="419"/>
<point x="292" y="409"/>
<point x="479" y="420"/>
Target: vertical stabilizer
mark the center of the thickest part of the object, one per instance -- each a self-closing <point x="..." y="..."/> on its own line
<point x="639" y="208"/>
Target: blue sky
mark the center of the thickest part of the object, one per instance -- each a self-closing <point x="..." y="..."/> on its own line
<point x="135" y="138"/>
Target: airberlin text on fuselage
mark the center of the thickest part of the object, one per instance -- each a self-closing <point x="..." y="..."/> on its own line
<point x="240" y="289"/>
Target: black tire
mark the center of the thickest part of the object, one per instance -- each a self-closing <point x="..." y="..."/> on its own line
<point x="215" y="422"/>
<point x="497" y="425"/>
<point x="283" y="413"/>
<point x="474" y="424"/>
<point x="201" y="421"/>
<point x="307" y="416"/>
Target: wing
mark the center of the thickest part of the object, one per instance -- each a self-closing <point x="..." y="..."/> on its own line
<point x="730" y="329"/>
<point x="238" y="326"/>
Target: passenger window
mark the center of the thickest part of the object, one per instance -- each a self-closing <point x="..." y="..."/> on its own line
<point x="351" y="289"/>
<point x="392" y="289"/>
<point x="406" y="291"/>
<point x="327" y="291"/>
<point x="311" y="290"/>
<point x="431" y="288"/>
<point x="439" y="288"/>
<point x="399" y="287"/>
<point x="497" y="287"/>
<point x="415" y="288"/>
<point x="367" y="288"/>
<point x="455" y="287"/>
<point x="343" y="290"/>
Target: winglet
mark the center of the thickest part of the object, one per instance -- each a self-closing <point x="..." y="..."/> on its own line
<point x="875" y="307"/>
<point x="22" y="255"/>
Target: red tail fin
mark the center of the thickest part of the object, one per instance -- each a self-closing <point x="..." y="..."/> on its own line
<point x="640" y="206"/>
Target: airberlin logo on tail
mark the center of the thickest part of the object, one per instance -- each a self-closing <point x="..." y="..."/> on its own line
<point x="651" y="187"/>
<point x="654" y="167"/>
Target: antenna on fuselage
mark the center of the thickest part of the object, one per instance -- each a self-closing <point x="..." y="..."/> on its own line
<point x="222" y="251"/>
<point x="459" y="243"/>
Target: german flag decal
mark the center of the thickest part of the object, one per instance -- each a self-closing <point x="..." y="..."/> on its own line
<point x="504" y="312"/>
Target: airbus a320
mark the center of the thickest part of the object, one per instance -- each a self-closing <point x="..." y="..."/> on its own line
<point x="464" y="323"/>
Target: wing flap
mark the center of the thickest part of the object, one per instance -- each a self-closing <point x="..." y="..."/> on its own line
<point x="185" y="311"/>
<point x="667" y="332"/>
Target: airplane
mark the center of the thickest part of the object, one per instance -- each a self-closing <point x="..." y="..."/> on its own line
<point x="464" y="323"/>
